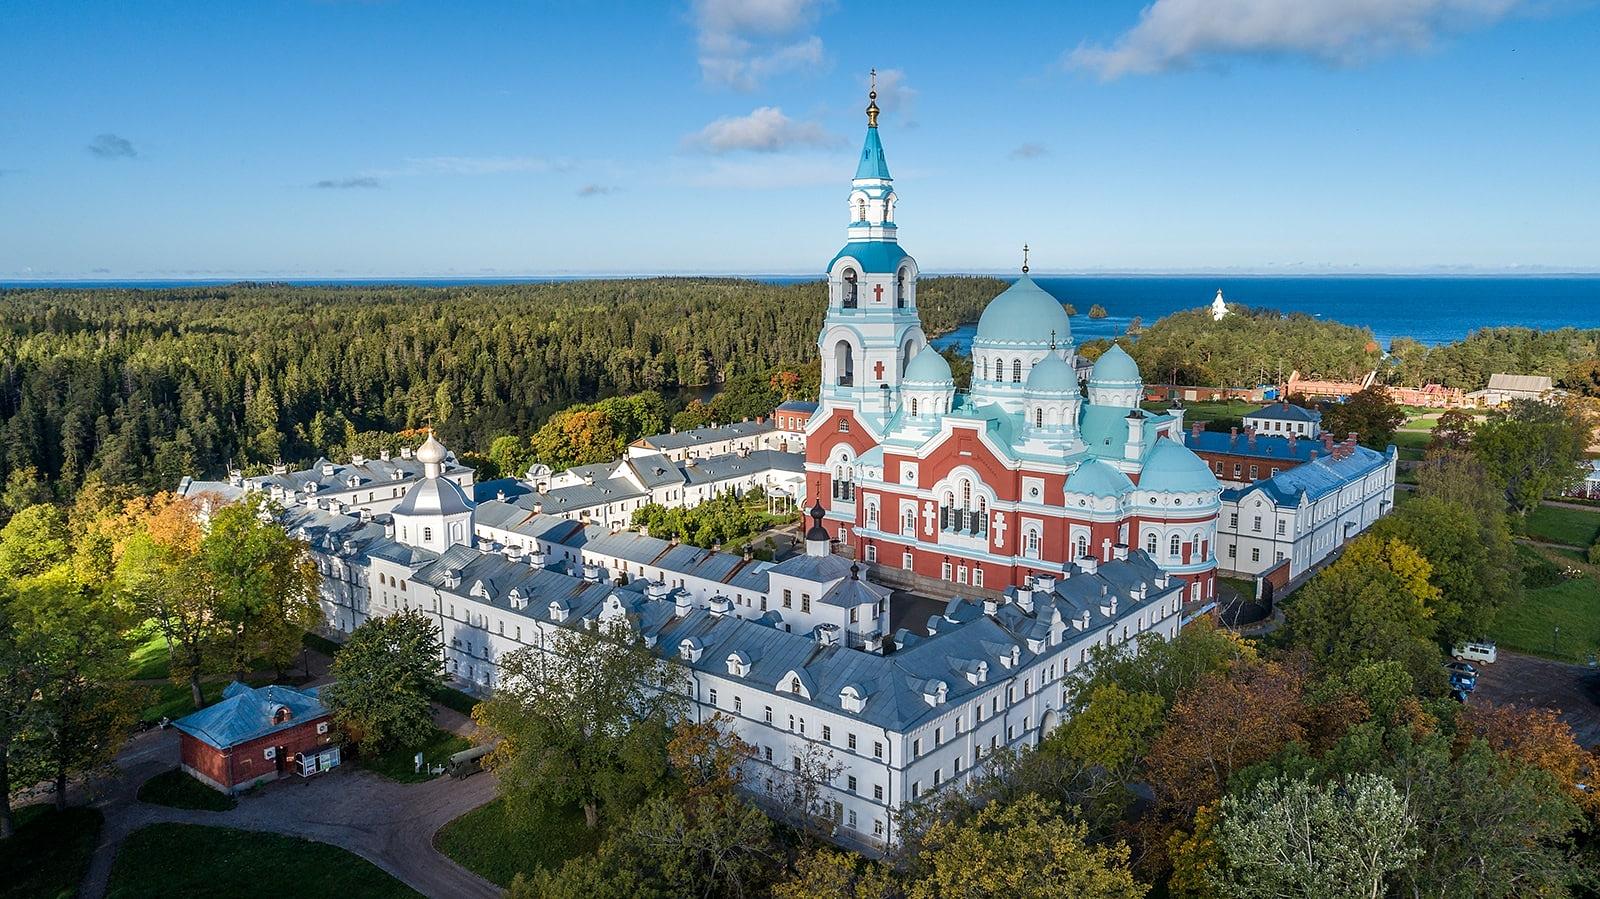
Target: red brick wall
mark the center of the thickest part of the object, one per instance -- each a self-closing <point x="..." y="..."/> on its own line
<point x="247" y="762"/>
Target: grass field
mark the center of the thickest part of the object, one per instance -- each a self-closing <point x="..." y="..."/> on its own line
<point x="149" y="658"/>
<point x="498" y="844"/>
<point x="49" y="853"/>
<point x="1530" y="625"/>
<point x="165" y="860"/>
<point x="1574" y="527"/>
<point x="399" y="764"/>
<point x="177" y="789"/>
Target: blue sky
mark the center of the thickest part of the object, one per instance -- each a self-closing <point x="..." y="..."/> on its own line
<point x="357" y="139"/>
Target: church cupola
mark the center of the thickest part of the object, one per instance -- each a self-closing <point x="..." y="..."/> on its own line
<point x="435" y="513"/>
<point x="871" y="331"/>
<point x="1016" y="331"/>
<point x="1114" y="381"/>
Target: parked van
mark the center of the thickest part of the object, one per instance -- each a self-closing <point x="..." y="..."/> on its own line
<point x="1476" y="652"/>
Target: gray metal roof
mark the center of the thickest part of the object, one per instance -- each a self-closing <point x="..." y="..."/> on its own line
<point x="1282" y="411"/>
<point x="698" y="436"/>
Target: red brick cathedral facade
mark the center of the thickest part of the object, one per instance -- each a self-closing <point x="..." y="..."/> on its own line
<point x="1026" y="472"/>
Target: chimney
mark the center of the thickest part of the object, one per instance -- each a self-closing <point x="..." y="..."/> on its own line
<point x="1327" y="442"/>
<point x="1292" y="442"/>
<point x="1025" y="599"/>
<point x="683" y="604"/>
<point x="1233" y="434"/>
<point x="405" y="452"/>
<point x="358" y="459"/>
<point x="383" y="455"/>
<point x="1250" y="437"/>
<point x="1120" y="552"/>
<point x="1196" y="428"/>
<point x="827" y="634"/>
<point x="990" y="606"/>
<point x="1313" y="455"/>
<point x="591" y="573"/>
<point x="749" y="554"/>
<point x="388" y="529"/>
<point x="1089" y="564"/>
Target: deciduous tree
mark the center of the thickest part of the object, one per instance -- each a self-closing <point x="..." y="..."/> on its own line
<point x="1532" y="449"/>
<point x="584" y="720"/>
<point x="383" y="677"/>
<point x="1295" y="838"/>
<point x="1368" y="413"/>
<point x="1024" y="849"/>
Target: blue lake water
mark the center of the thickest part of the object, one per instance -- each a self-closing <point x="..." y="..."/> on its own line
<point x="1429" y="309"/>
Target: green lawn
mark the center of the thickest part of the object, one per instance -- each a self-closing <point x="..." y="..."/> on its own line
<point x="1574" y="527"/>
<point x="1573" y="606"/>
<point x="399" y="763"/>
<point x="149" y="659"/>
<point x="177" y="789"/>
<point x="50" y="852"/>
<point x="165" y="860"/>
<point x="499" y="844"/>
<point x="1208" y="411"/>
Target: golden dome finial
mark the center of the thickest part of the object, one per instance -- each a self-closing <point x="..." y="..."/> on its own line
<point x="1024" y="259"/>
<point x="872" y="101"/>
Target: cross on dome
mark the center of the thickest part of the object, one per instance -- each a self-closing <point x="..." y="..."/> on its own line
<point x="1025" y="262"/>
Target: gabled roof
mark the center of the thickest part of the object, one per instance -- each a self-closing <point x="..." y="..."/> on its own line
<point x="1282" y="411"/>
<point x="247" y="713"/>
<point x="1528" y="383"/>
<point x="697" y="436"/>
<point x="1315" y="479"/>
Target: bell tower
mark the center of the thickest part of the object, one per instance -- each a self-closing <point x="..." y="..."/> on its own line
<point x="871" y="331"/>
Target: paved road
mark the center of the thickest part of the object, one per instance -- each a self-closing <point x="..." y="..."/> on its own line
<point x="389" y="824"/>
<point x="1532" y="681"/>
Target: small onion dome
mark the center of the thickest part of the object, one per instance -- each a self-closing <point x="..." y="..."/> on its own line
<point x="1024" y="313"/>
<point x="929" y="367"/>
<point x="1097" y="478"/>
<point x="1052" y="376"/>
<point x="431" y="451"/>
<point x="817" y="531"/>
<point x="1170" y="467"/>
<point x="1114" y="367"/>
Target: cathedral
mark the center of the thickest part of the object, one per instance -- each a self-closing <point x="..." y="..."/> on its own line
<point x="1027" y="473"/>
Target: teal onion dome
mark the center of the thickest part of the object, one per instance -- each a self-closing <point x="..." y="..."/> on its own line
<point x="1052" y="376"/>
<point x="1024" y="313"/>
<point x="1114" y="366"/>
<point x="929" y="367"/>
<point x="1170" y="467"/>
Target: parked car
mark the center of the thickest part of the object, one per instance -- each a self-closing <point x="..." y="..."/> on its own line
<point x="1459" y="667"/>
<point x="1463" y="683"/>
<point x="1482" y="651"/>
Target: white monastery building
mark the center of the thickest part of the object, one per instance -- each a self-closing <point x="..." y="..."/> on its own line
<point x="1073" y="521"/>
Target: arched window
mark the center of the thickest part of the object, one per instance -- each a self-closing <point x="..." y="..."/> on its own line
<point x="1176" y="545"/>
<point x="844" y="363"/>
<point x="1032" y="545"/>
<point x="849" y="288"/>
<point x="913" y="408"/>
<point x="861" y="210"/>
<point x="1016" y="371"/>
<point x="900" y="289"/>
<point x="966" y="494"/>
<point x="1038" y="416"/>
<point x="1083" y="546"/>
<point x="906" y="352"/>
<point x="1150" y="544"/>
<point x="986" y="368"/>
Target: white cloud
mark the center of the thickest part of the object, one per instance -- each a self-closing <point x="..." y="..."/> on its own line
<point x="1175" y="34"/>
<point x="743" y="42"/>
<point x="765" y="130"/>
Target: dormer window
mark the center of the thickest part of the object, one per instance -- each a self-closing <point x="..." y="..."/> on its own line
<point x="794" y="685"/>
<point x="281" y="714"/>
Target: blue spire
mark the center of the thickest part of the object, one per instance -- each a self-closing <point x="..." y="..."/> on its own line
<point x="873" y="165"/>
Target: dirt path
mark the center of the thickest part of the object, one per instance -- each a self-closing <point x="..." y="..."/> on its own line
<point x="389" y="824"/>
